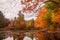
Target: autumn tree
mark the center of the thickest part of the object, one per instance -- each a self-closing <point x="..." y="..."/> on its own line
<point x="47" y="14"/>
<point x="19" y="22"/>
<point x="39" y="22"/>
<point x="30" y="24"/>
<point x="48" y="17"/>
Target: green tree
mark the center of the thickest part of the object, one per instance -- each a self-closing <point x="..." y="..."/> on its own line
<point x="3" y="21"/>
<point x="1" y="16"/>
<point x="19" y="22"/>
<point x="20" y="17"/>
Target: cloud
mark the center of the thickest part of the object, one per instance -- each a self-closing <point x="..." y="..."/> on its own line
<point x="10" y="8"/>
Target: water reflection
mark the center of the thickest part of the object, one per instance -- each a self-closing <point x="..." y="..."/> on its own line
<point x="11" y="35"/>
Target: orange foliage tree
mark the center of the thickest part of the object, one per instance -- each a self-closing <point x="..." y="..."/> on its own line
<point x="49" y="15"/>
<point x="57" y="18"/>
<point x="40" y="23"/>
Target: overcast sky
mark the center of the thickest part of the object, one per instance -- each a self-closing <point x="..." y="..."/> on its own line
<point x="10" y="9"/>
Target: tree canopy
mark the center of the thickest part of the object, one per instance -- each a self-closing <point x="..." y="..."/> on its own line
<point x="3" y="21"/>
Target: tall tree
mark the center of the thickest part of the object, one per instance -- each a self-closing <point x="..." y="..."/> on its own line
<point x="3" y="21"/>
<point x="19" y="21"/>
